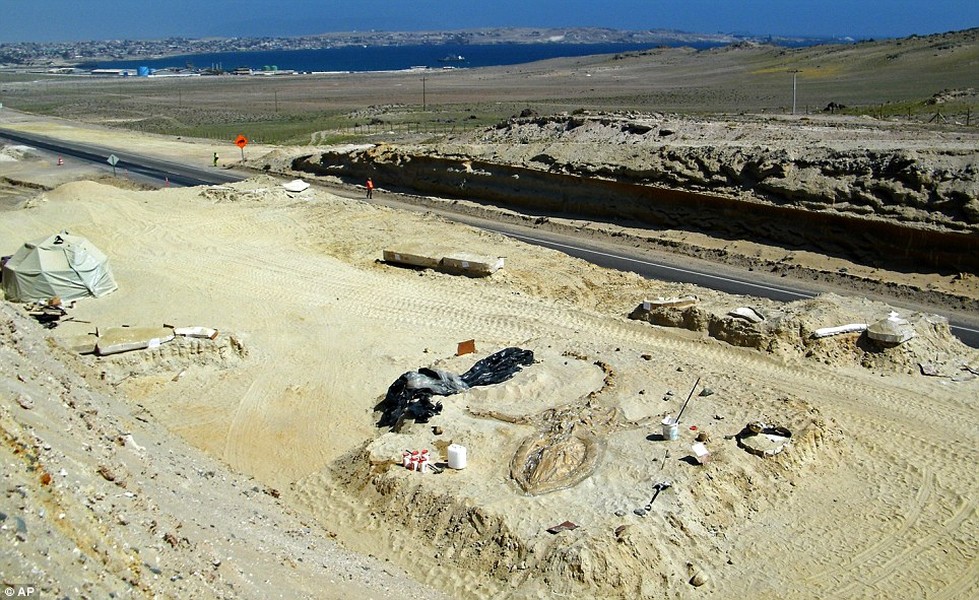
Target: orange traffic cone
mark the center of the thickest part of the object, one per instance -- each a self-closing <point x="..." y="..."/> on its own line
<point x="60" y="161"/>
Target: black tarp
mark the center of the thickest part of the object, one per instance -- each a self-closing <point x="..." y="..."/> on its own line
<point x="410" y="396"/>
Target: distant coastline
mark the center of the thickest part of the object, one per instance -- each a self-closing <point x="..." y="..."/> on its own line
<point x="69" y="54"/>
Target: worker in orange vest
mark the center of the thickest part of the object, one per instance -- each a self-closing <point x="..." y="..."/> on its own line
<point x="370" y="187"/>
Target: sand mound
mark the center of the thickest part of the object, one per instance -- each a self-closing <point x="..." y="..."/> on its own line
<point x="173" y="358"/>
<point x="788" y="331"/>
<point x="606" y="556"/>
<point x="548" y="457"/>
<point x="16" y="152"/>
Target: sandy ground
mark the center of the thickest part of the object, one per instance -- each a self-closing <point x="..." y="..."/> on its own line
<point x="874" y="497"/>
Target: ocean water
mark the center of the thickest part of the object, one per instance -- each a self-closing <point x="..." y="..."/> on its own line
<point x="376" y="58"/>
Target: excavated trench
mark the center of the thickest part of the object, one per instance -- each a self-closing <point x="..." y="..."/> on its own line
<point x="873" y="241"/>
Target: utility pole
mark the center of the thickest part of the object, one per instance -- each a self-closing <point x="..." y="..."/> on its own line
<point x="794" y="73"/>
<point x="424" y="105"/>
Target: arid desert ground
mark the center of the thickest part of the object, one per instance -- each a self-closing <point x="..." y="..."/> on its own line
<point x="251" y="465"/>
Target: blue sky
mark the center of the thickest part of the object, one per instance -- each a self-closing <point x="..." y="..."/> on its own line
<point x="63" y="20"/>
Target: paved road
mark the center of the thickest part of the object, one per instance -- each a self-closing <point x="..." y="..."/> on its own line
<point x="664" y="266"/>
<point x="149" y="169"/>
<point x="651" y="264"/>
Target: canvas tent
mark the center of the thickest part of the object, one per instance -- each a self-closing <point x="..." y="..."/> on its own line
<point x="63" y="265"/>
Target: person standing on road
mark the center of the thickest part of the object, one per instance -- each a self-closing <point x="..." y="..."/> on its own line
<point x="215" y="159"/>
<point x="370" y="187"/>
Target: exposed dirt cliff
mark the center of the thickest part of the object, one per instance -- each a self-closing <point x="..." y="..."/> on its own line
<point x="879" y="194"/>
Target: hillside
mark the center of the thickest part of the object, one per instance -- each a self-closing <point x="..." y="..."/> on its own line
<point x="917" y="76"/>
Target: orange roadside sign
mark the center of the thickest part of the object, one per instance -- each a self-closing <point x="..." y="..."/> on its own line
<point x="241" y="141"/>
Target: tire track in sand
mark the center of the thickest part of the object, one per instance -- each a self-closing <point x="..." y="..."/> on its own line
<point x="915" y="551"/>
<point x="441" y="306"/>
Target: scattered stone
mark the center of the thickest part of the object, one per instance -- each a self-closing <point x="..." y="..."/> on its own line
<point x="106" y="473"/>
<point x="698" y="579"/>
<point x="892" y="331"/>
<point x="129" y="441"/>
<point x="25" y="401"/>
<point x="718" y="417"/>
<point x="748" y="314"/>
<point x="706" y="392"/>
<point x="566" y="526"/>
<point x="621" y="532"/>
<point x="928" y="369"/>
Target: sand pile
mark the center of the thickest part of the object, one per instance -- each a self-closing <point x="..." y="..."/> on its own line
<point x="791" y="330"/>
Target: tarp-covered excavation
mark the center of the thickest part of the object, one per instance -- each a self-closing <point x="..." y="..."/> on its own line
<point x="410" y="396"/>
<point x="63" y="265"/>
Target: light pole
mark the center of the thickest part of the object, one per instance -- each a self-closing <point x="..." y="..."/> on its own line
<point x="794" y="73"/>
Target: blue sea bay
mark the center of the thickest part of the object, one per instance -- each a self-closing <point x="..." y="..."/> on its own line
<point x="374" y="58"/>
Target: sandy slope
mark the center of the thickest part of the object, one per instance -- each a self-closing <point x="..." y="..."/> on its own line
<point x="102" y="501"/>
<point x="876" y="497"/>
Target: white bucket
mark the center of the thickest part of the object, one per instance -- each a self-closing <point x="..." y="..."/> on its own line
<point x="457" y="456"/>
<point x="671" y="429"/>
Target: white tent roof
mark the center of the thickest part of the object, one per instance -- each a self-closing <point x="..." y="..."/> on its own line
<point x="63" y="265"/>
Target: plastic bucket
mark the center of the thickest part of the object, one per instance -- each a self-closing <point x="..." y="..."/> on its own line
<point x="671" y="430"/>
<point x="457" y="456"/>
